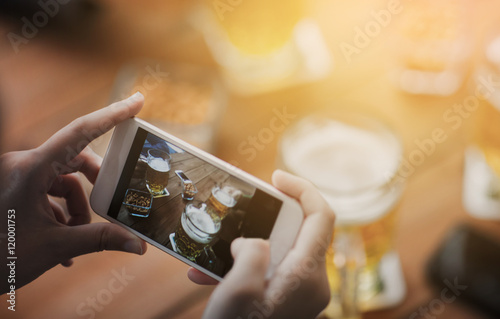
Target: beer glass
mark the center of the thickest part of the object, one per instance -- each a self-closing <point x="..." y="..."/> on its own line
<point x="197" y="229"/>
<point x="223" y="198"/>
<point x="481" y="195"/>
<point x="263" y="45"/>
<point x="354" y="162"/>
<point x="157" y="172"/>
<point x="433" y="46"/>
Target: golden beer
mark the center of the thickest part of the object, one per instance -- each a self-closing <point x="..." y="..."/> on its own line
<point x="223" y="199"/>
<point x="157" y="172"/>
<point x="354" y="162"/>
<point x="258" y="27"/>
<point x="196" y="230"/>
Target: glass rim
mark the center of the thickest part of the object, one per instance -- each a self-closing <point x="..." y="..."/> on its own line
<point x="160" y="151"/>
<point x="342" y="116"/>
<point x="217" y="224"/>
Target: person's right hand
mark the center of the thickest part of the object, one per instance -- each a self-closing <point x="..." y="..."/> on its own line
<point x="299" y="287"/>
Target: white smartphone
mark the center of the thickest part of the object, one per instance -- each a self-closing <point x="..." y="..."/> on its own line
<point x="187" y="202"/>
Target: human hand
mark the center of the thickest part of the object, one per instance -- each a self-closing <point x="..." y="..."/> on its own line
<point x="299" y="287"/>
<point x="45" y="235"/>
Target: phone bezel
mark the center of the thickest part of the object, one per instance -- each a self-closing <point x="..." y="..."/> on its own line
<point x="285" y="229"/>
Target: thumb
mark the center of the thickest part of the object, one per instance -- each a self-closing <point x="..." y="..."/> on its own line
<point x="89" y="238"/>
<point x="251" y="260"/>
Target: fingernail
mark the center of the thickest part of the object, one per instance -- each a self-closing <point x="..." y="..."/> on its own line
<point x="136" y="95"/>
<point x="133" y="246"/>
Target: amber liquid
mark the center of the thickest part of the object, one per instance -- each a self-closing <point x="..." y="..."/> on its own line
<point x="221" y="202"/>
<point x="157" y="175"/>
<point x="259" y="27"/>
<point x="377" y="238"/>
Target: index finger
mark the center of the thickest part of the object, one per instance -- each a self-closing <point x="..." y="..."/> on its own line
<point x="68" y="142"/>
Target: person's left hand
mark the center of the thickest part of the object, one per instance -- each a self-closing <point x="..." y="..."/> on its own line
<point x="44" y="235"/>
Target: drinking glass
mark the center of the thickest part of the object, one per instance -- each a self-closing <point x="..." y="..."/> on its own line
<point x="157" y="172"/>
<point x="354" y="162"/>
<point x="197" y="229"/>
<point x="223" y="198"/>
<point x="263" y="45"/>
<point x="433" y="46"/>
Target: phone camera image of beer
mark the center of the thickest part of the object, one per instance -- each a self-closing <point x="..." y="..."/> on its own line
<point x="354" y="161"/>
<point x="223" y="199"/>
<point x="157" y="172"/>
<point x="197" y="229"/>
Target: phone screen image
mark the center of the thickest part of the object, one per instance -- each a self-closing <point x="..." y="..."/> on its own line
<point x="197" y="217"/>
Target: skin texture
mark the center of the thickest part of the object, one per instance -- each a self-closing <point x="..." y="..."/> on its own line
<point x="48" y="235"/>
<point x="45" y="235"/>
<point x="299" y="287"/>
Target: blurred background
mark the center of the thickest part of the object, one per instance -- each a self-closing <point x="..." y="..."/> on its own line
<point x="222" y="73"/>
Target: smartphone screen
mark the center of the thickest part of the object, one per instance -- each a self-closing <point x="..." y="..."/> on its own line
<point x="198" y="218"/>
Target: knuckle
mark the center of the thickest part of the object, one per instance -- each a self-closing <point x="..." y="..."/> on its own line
<point x="329" y="214"/>
<point x="77" y="124"/>
<point x="101" y="237"/>
<point x="18" y="164"/>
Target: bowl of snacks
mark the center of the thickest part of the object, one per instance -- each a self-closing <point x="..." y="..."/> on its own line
<point x="138" y="203"/>
<point x="188" y="190"/>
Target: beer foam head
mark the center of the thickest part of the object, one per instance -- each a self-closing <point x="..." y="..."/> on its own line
<point x="225" y="196"/>
<point x="198" y="224"/>
<point x="341" y="159"/>
<point x="159" y="164"/>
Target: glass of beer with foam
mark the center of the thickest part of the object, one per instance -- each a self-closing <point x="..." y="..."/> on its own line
<point x="157" y="172"/>
<point x="263" y="45"/>
<point x="223" y="198"/>
<point x="354" y="162"/>
<point x="197" y="229"/>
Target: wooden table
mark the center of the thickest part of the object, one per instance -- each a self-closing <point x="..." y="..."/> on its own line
<point x="166" y="211"/>
<point x="59" y="75"/>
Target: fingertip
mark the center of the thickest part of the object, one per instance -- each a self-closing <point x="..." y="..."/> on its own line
<point x="200" y="278"/>
<point x="127" y="107"/>
<point x="236" y="245"/>
<point x="67" y="263"/>
<point x="248" y="244"/>
<point x="281" y="179"/>
<point x="137" y="95"/>
<point x="277" y="175"/>
<point x="144" y="246"/>
<point x="137" y="100"/>
<point x="135" y="246"/>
